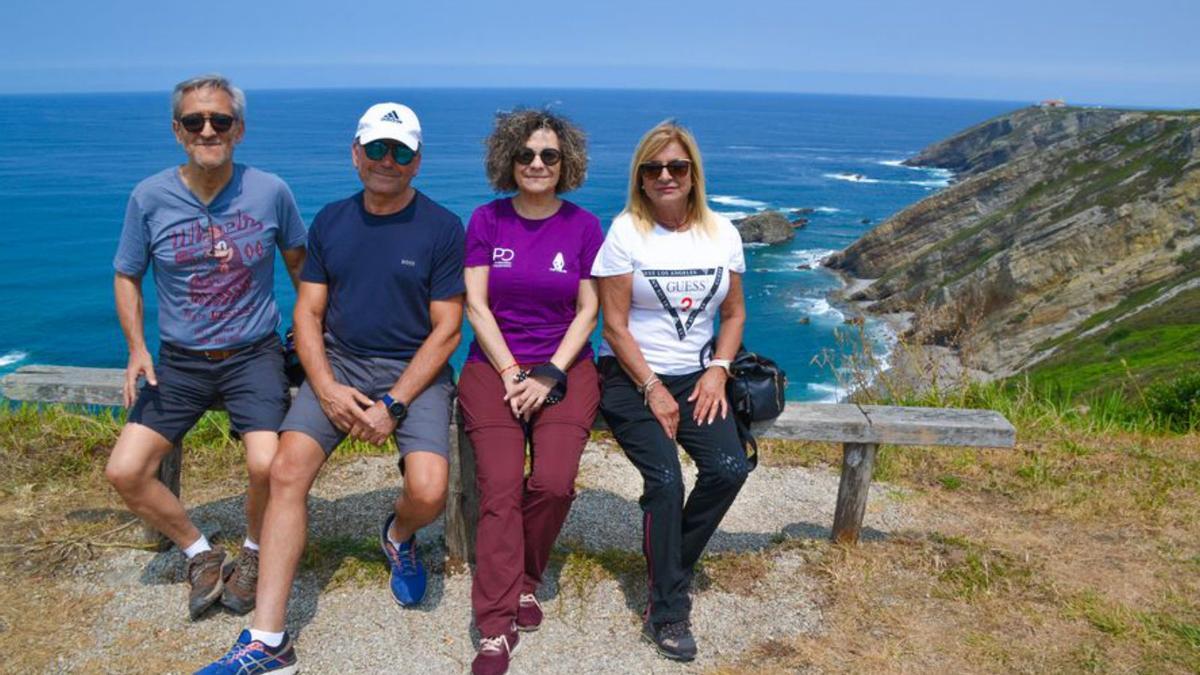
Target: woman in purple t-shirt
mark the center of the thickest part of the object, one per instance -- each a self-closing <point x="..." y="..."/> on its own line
<point x="529" y="376"/>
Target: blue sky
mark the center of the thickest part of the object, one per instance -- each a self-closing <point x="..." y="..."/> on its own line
<point x="1102" y="51"/>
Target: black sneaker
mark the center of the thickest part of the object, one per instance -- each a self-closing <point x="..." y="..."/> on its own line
<point x="672" y="639"/>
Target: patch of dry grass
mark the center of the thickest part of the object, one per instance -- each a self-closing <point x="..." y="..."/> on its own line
<point x="1077" y="552"/>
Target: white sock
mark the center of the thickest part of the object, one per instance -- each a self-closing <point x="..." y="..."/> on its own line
<point x="197" y="547"/>
<point x="253" y="546"/>
<point x="392" y="541"/>
<point x="266" y="637"/>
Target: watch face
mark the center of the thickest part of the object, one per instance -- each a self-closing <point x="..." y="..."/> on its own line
<point x="398" y="410"/>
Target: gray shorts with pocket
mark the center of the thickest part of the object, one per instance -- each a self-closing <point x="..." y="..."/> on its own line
<point x="427" y="427"/>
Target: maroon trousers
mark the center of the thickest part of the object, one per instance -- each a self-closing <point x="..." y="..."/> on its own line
<point x="519" y="516"/>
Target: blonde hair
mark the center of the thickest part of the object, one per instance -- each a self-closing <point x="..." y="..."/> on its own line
<point x="638" y="205"/>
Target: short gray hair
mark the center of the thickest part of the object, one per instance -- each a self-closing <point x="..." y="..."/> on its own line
<point x="210" y="81"/>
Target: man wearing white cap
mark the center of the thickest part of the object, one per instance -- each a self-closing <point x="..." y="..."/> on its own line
<point x="378" y="314"/>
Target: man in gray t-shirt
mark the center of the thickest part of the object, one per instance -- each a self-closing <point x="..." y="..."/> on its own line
<point x="209" y="229"/>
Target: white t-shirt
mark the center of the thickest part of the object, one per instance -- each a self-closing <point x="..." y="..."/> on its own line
<point x="680" y="280"/>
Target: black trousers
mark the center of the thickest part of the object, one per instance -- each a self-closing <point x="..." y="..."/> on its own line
<point x="674" y="533"/>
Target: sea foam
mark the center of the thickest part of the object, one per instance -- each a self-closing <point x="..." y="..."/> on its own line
<point x="740" y="202"/>
<point x="829" y="393"/>
<point x="851" y="177"/>
<point x="13" y="357"/>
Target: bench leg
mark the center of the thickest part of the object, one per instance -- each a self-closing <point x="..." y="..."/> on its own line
<point x="462" y="502"/>
<point x="858" y="461"/>
<point x="168" y="473"/>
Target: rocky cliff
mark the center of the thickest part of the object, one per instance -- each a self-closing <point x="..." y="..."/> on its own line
<point x="1062" y="222"/>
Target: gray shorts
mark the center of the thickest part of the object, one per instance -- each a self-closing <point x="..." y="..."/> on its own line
<point x="250" y="384"/>
<point x="426" y="428"/>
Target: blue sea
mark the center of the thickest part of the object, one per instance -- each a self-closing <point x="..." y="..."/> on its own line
<point x="68" y="163"/>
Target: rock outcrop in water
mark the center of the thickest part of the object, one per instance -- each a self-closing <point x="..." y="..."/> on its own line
<point x="768" y="227"/>
<point x="1062" y="222"/>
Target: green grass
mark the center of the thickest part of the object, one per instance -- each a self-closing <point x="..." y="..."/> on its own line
<point x="45" y="444"/>
<point x="346" y="561"/>
<point x="1154" y="344"/>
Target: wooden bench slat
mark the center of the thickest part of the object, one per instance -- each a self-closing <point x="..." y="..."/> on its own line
<point x="899" y="425"/>
<point x="829" y="422"/>
<point x="860" y="430"/>
<point x="65" y="384"/>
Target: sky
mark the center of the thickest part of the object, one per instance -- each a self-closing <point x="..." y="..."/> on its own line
<point x="1099" y="51"/>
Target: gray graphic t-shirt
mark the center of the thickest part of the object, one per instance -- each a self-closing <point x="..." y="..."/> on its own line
<point x="214" y="265"/>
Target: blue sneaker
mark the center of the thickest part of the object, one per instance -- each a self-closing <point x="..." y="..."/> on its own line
<point x="408" y="574"/>
<point x="248" y="657"/>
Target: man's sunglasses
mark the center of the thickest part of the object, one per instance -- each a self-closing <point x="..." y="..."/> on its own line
<point x="194" y="122"/>
<point x="549" y="156"/>
<point x="678" y="168"/>
<point x="401" y="153"/>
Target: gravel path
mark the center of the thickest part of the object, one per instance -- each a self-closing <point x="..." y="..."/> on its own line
<point x="591" y="626"/>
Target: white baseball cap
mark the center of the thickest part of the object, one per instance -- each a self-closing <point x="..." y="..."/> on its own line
<point x="391" y="121"/>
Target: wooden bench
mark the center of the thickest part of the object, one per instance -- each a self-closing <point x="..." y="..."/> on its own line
<point x="860" y="430"/>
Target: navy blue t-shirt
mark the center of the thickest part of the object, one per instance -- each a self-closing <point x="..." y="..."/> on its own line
<point x="383" y="271"/>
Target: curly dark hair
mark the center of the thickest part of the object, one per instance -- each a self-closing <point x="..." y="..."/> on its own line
<point x="514" y="128"/>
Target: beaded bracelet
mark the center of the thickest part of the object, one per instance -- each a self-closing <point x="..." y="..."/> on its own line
<point x="647" y="387"/>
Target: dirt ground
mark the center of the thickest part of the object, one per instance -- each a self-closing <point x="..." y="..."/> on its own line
<point x="1076" y="552"/>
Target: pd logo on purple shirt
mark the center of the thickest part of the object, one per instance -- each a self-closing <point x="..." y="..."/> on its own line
<point x="502" y="257"/>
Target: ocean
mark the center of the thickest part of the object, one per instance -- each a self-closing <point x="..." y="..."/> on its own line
<point x="68" y="163"/>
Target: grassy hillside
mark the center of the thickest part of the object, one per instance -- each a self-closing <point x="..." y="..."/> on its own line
<point x="1154" y="345"/>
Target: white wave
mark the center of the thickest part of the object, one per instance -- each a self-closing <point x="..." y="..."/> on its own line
<point x="741" y="202"/>
<point x="939" y="183"/>
<point x="733" y="215"/>
<point x="813" y="307"/>
<point x="851" y="177"/>
<point x="894" y="162"/>
<point x="812" y="256"/>
<point x="829" y="209"/>
<point x="13" y="357"/>
<point x="830" y="393"/>
<point x="754" y="244"/>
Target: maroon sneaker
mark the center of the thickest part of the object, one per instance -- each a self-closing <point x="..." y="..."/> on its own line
<point x="529" y="613"/>
<point x="241" y="584"/>
<point x="495" y="653"/>
<point x="206" y="573"/>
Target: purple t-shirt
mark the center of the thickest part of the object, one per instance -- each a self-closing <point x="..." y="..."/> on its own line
<point x="536" y="266"/>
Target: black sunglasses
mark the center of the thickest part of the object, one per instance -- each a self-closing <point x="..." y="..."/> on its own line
<point x="678" y="168"/>
<point x="194" y="122"/>
<point x="401" y="153"/>
<point x="549" y="156"/>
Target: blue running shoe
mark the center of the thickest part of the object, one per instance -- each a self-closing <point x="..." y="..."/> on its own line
<point x="408" y="574"/>
<point x="250" y="657"/>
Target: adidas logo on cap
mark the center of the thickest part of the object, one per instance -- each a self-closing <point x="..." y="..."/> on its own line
<point x="391" y="116"/>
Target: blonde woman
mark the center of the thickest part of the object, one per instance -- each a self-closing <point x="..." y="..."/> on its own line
<point x="668" y="268"/>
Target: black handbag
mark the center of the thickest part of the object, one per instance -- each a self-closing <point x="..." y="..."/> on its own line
<point x="756" y="389"/>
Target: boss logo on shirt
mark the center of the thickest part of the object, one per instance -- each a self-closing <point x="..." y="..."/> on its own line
<point x="559" y="265"/>
<point x="502" y="257"/>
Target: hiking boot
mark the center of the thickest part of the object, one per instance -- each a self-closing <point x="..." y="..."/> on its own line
<point x="250" y="657"/>
<point x="408" y="574"/>
<point x="529" y="613"/>
<point x="495" y="653"/>
<point x="672" y="639"/>
<point x="238" y="595"/>
<point x="206" y="573"/>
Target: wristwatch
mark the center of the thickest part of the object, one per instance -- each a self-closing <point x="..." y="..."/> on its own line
<point x="395" y="408"/>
